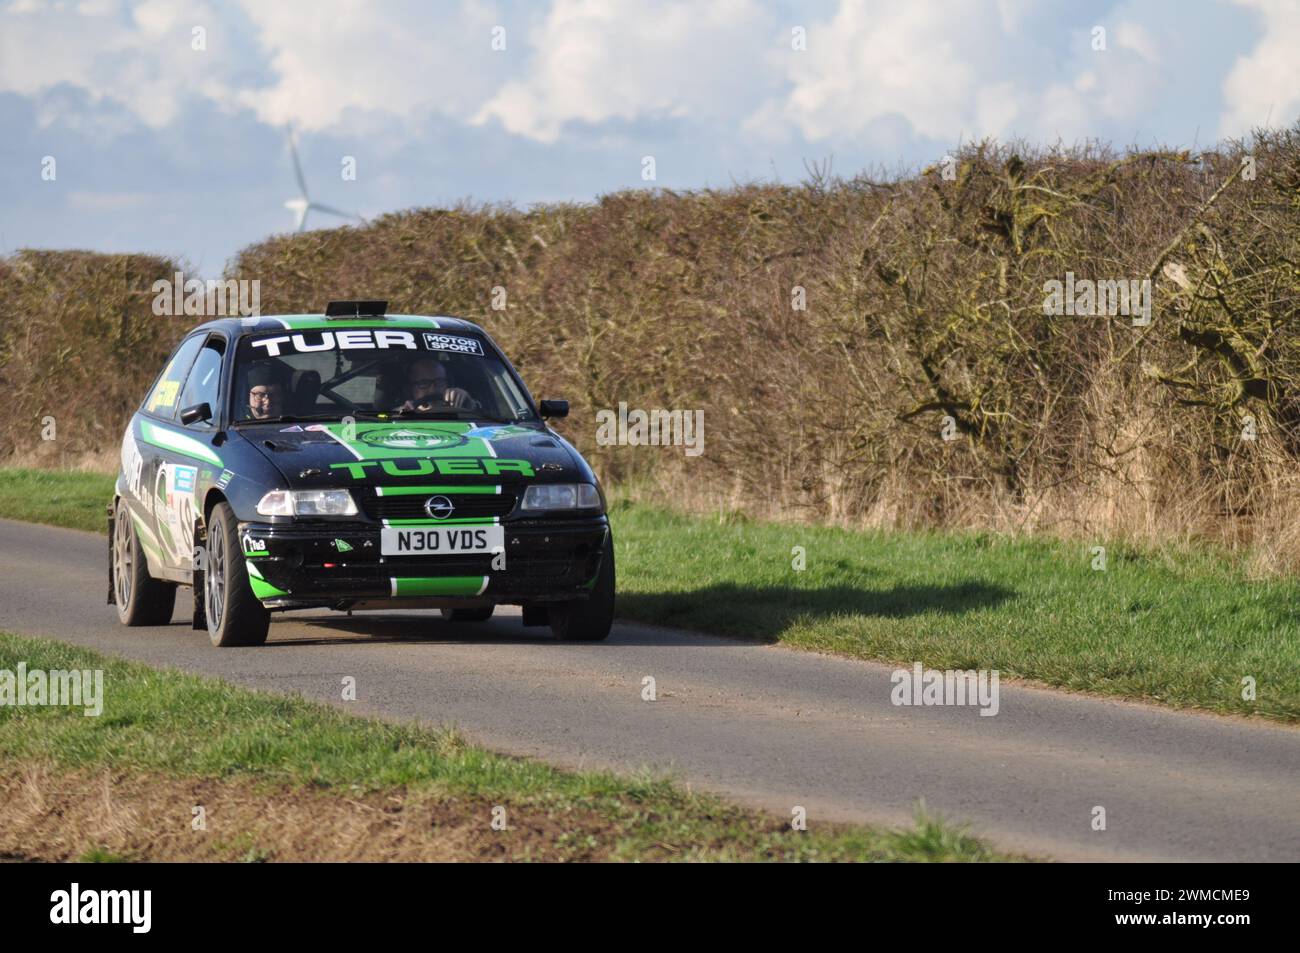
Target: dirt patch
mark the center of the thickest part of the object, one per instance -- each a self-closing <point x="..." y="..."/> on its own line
<point x="55" y="815"/>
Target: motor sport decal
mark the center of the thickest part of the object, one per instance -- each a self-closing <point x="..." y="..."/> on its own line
<point x="453" y="343"/>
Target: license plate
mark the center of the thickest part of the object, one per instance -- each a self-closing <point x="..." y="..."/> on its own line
<point x="440" y="540"/>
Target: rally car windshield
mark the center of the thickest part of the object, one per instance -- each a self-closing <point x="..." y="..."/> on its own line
<point x="330" y="374"/>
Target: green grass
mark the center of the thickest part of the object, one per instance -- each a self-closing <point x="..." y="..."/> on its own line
<point x="1183" y="629"/>
<point x="164" y="722"/>
<point x="57" y="497"/>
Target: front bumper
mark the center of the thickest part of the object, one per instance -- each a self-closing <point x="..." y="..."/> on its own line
<point x="338" y="564"/>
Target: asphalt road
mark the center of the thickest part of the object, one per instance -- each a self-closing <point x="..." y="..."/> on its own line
<point x="767" y="726"/>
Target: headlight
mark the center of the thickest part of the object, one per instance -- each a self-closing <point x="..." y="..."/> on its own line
<point x="560" y="496"/>
<point x="307" y="503"/>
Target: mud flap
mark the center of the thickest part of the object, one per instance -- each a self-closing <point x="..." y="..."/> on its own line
<point x="197" y="581"/>
<point x="112" y="593"/>
<point x="536" y="614"/>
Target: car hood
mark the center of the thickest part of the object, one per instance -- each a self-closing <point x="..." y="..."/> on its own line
<point x="368" y="453"/>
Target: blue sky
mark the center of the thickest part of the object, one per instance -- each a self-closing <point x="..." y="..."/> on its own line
<point x="162" y="147"/>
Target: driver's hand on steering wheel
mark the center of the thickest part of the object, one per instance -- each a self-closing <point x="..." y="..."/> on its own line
<point x="451" y="397"/>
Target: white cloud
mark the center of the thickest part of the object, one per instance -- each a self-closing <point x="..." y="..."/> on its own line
<point x="1264" y="85"/>
<point x="309" y="63"/>
<point x="623" y="60"/>
<point x="884" y="74"/>
<point x="406" y="59"/>
<point x="143" y="61"/>
<point x="964" y="69"/>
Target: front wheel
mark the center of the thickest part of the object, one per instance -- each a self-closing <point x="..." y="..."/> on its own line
<point x="141" y="599"/>
<point x="590" y="619"/>
<point x="235" y="617"/>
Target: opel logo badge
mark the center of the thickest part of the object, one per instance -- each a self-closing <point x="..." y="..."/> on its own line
<point x="438" y="507"/>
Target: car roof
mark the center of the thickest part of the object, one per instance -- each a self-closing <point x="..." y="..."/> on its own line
<point x="318" y="322"/>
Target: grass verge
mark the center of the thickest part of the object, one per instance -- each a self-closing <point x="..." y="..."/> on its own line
<point x="1182" y="629"/>
<point x="56" y="497"/>
<point x="283" y="778"/>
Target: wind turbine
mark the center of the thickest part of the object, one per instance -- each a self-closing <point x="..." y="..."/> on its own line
<point x="303" y="204"/>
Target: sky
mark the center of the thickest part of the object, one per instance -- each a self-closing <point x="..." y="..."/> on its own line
<point x="161" y="125"/>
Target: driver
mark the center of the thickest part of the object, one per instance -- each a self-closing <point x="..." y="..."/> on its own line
<point x="431" y="388"/>
<point x="265" y="392"/>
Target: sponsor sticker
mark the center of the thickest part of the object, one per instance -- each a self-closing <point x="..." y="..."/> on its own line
<point x="173" y="508"/>
<point x="165" y="395"/>
<point x="132" y="463"/>
<point x="224" y="480"/>
<point x="494" y="432"/>
<point x="452" y="342"/>
<point x="402" y="438"/>
<point x="183" y="479"/>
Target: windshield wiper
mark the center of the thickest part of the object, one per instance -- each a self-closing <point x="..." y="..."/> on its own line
<point x="287" y="419"/>
<point x="455" y="412"/>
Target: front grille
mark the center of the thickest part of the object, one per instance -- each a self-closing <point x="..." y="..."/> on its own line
<point x="466" y="505"/>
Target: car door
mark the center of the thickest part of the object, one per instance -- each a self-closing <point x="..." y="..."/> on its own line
<point x="142" y="453"/>
<point x="178" y="452"/>
<point x="191" y="461"/>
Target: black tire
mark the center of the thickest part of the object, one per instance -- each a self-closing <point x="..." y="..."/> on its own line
<point x="141" y="599"/>
<point x="235" y="617"/>
<point x="590" y="619"/>
<point x="480" y="614"/>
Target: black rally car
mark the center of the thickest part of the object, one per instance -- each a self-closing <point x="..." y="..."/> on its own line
<point x="353" y="460"/>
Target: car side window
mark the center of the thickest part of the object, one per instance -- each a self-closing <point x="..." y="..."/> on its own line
<point x="204" y="383"/>
<point x="166" y="393"/>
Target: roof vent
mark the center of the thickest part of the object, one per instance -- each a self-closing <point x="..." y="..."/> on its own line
<point x="356" y="309"/>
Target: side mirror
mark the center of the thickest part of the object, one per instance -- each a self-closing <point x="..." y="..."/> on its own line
<point x="555" y="408"/>
<point x="192" y="415"/>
